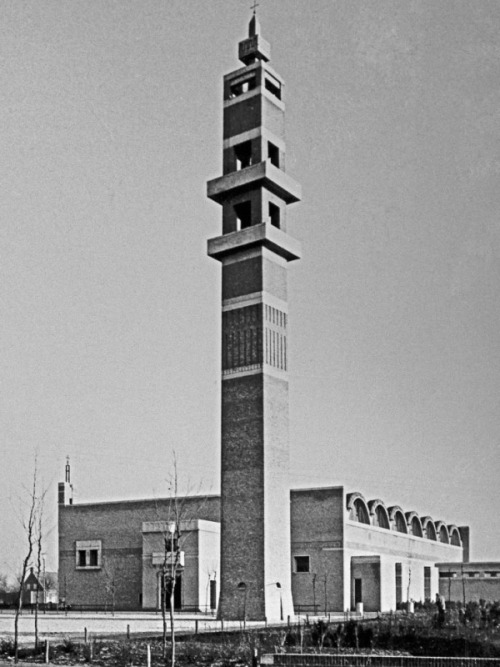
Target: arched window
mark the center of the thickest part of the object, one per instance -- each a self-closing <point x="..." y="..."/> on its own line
<point x="442" y="532"/>
<point x="379" y="514"/>
<point x="454" y="536"/>
<point x="429" y="528"/>
<point x="413" y="523"/>
<point x="397" y="519"/>
<point x="358" y="510"/>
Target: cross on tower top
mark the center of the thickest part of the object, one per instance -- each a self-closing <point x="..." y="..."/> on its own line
<point x="254" y="7"/>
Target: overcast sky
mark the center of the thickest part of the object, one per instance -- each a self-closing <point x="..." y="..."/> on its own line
<point x="110" y="336"/>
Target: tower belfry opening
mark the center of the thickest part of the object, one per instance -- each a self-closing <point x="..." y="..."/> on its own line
<point x="254" y="250"/>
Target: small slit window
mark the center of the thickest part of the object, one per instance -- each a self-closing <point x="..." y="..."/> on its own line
<point x="274" y="215"/>
<point x="243" y="215"/>
<point x="243" y="155"/>
<point x="241" y="87"/>
<point x="273" y="154"/>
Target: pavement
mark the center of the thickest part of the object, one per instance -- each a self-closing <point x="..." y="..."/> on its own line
<point x="81" y="625"/>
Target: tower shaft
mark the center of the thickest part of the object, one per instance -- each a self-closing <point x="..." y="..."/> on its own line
<point x="254" y="250"/>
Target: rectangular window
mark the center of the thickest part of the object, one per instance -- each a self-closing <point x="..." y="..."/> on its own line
<point x="213" y="594"/>
<point x="243" y="155"/>
<point x="301" y="563"/>
<point x="240" y="87"/>
<point x="273" y="154"/>
<point x="399" y="583"/>
<point x="358" y="590"/>
<point x="273" y="86"/>
<point x="88" y="554"/>
<point x="427" y="583"/>
<point x="243" y="215"/>
<point x="274" y="215"/>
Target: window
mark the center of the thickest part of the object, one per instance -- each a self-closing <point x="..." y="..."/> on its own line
<point x="273" y="154"/>
<point x="359" y="512"/>
<point x="358" y="590"/>
<point x="399" y="583"/>
<point x="301" y="563"/>
<point x="273" y="86"/>
<point x="274" y="215"/>
<point x="427" y="583"/>
<point x="400" y="523"/>
<point x="243" y="215"/>
<point x="243" y="154"/>
<point x="88" y="554"/>
<point x="240" y="87"/>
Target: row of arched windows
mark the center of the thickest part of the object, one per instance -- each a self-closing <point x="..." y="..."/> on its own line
<point x="375" y="513"/>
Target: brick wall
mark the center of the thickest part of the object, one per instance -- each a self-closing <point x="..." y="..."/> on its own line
<point x="119" y="527"/>
<point x="317" y="530"/>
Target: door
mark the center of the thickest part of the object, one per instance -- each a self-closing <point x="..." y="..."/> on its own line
<point x="167" y="589"/>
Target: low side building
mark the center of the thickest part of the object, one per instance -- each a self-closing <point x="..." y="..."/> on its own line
<point x="347" y="551"/>
<point x="108" y="552"/>
<point x="473" y="581"/>
<point x="344" y="551"/>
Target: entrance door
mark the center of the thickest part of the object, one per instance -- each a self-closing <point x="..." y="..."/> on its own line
<point x="167" y="591"/>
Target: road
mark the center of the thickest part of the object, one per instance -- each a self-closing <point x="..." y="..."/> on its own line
<point x="57" y="625"/>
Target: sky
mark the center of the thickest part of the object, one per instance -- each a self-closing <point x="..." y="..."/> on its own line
<point x="110" y="335"/>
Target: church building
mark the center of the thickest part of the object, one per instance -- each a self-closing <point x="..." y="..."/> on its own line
<point x="260" y="550"/>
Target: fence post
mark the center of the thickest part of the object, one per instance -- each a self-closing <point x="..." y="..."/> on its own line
<point x="148" y="655"/>
<point x="196" y="627"/>
<point x="128" y="631"/>
<point x="85" y="635"/>
<point x="47" y="651"/>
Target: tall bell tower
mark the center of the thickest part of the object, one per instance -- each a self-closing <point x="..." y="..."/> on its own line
<point x="254" y="250"/>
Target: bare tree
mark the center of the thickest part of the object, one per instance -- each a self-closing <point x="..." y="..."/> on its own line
<point x="29" y="525"/>
<point x="40" y="579"/>
<point x="173" y="556"/>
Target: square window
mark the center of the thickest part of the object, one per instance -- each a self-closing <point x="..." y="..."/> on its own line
<point x="88" y="554"/>
<point x="302" y="563"/>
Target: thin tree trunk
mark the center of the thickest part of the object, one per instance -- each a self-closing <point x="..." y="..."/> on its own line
<point x="38" y="573"/>
<point x="29" y="527"/>
<point x="172" y="628"/>
<point x="164" y="613"/>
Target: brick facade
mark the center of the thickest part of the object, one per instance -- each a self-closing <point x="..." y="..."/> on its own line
<point x="118" y="526"/>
